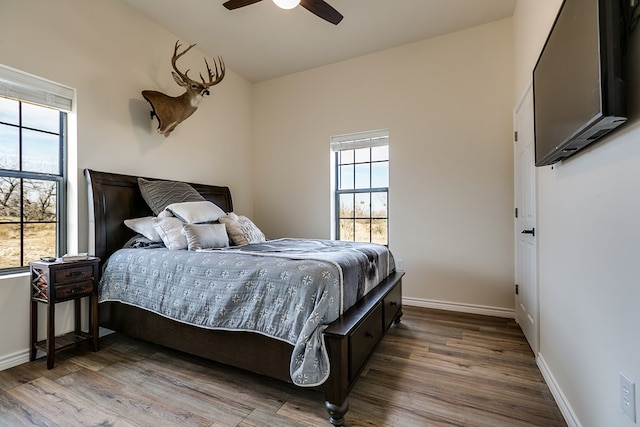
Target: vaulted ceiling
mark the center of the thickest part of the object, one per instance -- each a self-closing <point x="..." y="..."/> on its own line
<point x="262" y="41"/>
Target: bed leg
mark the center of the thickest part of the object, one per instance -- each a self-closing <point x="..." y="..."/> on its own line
<point x="336" y="412"/>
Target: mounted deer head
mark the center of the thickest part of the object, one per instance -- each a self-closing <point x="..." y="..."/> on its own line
<point x="170" y="110"/>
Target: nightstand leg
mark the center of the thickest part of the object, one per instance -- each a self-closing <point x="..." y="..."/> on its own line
<point x="77" y="314"/>
<point x="34" y="330"/>
<point x="51" y="336"/>
<point x="93" y="320"/>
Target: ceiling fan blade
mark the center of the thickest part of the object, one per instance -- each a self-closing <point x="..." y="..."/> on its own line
<point x="322" y="9"/>
<point x="234" y="4"/>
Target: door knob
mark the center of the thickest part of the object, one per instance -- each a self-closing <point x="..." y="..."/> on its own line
<point x="532" y="231"/>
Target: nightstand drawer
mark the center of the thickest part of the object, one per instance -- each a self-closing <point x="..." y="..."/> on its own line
<point x="73" y="274"/>
<point x="79" y="289"/>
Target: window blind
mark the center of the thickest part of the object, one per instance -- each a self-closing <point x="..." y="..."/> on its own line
<point x="353" y="141"/>
<point x="27" y="87"/>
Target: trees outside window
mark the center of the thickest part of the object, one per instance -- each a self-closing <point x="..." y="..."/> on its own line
<point x="32" y="182"/>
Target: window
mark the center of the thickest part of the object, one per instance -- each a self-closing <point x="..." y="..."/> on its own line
<point x="362" y="186"/>
<point x="32" y="169"/>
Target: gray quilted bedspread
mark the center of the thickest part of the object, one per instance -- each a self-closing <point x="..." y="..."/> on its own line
<point x="288" y="289"/>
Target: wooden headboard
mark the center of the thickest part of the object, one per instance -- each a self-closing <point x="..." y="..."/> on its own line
<point x="114" y="197"/>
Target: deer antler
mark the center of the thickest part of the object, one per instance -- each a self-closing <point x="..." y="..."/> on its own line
<point x="219" y="75"/>
<point x="177" y="56"/>
<point x="214" y="78"/>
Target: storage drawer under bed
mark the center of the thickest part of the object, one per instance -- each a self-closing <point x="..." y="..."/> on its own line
<point x="363" y="339"/>
<point x="392" y="304"/>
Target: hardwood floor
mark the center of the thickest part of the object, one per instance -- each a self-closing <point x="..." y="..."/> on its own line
<point x="435" y="368"/>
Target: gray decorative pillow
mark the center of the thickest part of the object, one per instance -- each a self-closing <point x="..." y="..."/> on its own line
<point x="203" y="236"/>
<point x="196" y="212"/>
<point x="160" y="194"/>
<point x="170" y="230"/>
<point x="242" y="230"/>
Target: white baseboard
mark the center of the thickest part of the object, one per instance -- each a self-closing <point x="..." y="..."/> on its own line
<point x="563" y="404"/>
<point x="14" y="359"/>
<point x="465" y="308"/>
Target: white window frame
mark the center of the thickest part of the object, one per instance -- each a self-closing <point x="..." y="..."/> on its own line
<point x="25" y="87"/>
<point x="354" y="141"/>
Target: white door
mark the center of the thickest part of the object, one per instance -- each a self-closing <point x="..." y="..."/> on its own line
<point x="525" y="222"/>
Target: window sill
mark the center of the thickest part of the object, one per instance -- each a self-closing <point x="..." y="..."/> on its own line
<point x="15" y="275"/>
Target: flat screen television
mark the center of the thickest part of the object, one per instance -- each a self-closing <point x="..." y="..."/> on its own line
<point x="578" y="87"/>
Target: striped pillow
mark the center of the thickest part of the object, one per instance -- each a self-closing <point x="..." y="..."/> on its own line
<point x="160" y="194"/>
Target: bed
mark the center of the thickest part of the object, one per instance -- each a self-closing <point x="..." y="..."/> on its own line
<point x="347" y="341"/>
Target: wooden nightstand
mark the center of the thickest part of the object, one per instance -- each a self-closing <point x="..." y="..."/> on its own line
<point x="54" y="282"/>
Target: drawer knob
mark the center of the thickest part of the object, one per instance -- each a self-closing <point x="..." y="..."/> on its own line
<point x="74" y="273"/>
<point x="368" y="334"/>
<point x="74" y="290"/>
<point x="393" y="303"/>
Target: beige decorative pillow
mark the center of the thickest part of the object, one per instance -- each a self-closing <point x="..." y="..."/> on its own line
<point x="241" y="229"/>
<point x="196" y="212"/>
<point x="170" y="230"/>
<point x="203" y="236"/>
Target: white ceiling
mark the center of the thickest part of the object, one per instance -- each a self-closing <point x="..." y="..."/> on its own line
<point x="262" y="41"/>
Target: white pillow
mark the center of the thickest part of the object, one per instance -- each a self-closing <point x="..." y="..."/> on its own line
<point x="196" y="212"/>
<point x="144" y="226"/>
<point x="203" y="236"/>
<point x="170" y="230"/>
<point x="241" y="229"/>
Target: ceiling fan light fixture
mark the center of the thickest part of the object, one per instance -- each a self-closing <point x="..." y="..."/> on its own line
<point x="286" y="4"/>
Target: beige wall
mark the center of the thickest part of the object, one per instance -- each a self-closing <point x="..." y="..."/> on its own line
<point x="588" y="210"/>
<point x="109" y="53"/>
<point x="447" y="103"/>
<point x="534" y="22"/>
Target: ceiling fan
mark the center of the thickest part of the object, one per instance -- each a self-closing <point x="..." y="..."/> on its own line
<point x="318" y="7"/>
